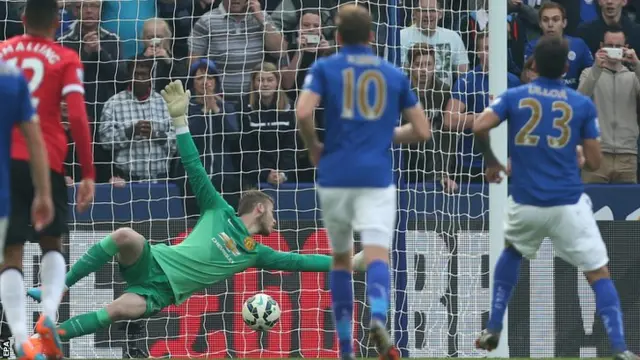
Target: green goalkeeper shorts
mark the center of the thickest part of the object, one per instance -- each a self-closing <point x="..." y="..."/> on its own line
<point x="147" y="279"/>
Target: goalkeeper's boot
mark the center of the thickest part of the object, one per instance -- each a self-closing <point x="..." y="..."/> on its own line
<point x="51" y="343"/>
<point x="380" y="337"/>
<point x="625" y="355"/>
<point x="488" y="340"/>
<point x="29" y="351"/>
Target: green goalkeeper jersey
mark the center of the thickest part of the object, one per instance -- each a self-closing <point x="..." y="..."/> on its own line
<point x="220" y="245"/>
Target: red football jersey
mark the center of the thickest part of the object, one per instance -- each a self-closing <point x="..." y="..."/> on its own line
<point x="52" y="72"/>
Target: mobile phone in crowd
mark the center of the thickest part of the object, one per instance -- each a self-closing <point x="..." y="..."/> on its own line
<point x="312" y="39"/>
<point x="614" y="53"/>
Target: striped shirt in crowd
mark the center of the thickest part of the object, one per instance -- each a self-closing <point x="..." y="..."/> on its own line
<point x="138" y="157"/>
<point x="235" y="46"/>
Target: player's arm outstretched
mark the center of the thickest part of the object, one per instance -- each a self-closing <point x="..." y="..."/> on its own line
<point x="42" y="208"/>
<point x="177" y="102"/>
<point x="270" y="259"/>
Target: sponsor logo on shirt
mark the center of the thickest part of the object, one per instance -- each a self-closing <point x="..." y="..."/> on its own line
<point x="249" y="243"/>
<point x="229" y="244"/>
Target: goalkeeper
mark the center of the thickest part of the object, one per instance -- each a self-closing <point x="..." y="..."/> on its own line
<point x="220" y="245"/>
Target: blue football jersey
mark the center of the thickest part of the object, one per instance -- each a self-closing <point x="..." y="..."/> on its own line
<point x="579" y="58"/>
<point x="15" y="102"/>
<point x="547" y="120"/>
<point x="363" y="97"/>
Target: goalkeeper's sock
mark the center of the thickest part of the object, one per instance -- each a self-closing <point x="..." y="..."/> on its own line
<point x="97" y="255"/>
<point x="608" y="307"/>
<point x="378" y="289"/>
<point x="84" y="324"/>
<point x="505" y="278"/>
<point x="13" y="300"/>
<point x="341" y="285"/>
<point x="53" y="270"/>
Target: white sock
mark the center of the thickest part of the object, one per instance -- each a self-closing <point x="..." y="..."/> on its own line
<point x="12" y="295"/>
<point x="52" y="272"/>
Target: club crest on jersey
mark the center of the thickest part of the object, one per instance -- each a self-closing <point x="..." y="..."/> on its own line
<point x="249" y="243"/>
<point x="229" y="244"/>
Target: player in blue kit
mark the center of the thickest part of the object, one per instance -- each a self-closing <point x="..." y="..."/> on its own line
<point x="548" y="124"/>
<point x="363" y="96"/>
<point x="15" y="102"/>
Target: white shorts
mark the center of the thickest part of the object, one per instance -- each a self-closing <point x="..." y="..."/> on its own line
<point x="4" y="223"/>
<point x="571" y="228"/>
<point x="345" y="210"/>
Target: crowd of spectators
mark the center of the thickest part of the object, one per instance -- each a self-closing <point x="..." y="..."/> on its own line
<point x="245" y="60"/>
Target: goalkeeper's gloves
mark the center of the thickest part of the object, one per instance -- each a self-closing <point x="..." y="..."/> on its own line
<point x="177" y="102"/>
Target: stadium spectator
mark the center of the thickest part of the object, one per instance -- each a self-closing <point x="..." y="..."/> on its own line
<point x="451" y="56"/>
<point x="268" y="130"/>
<point x="126" y="18"/>
<point x="67" y="16"/>
<point x="237" y="35"/>
<point x="469" y="97"/>
<point x="478" y="22"/>
<point x="289" y="13"/>
<point x="528" y="72"/>
<point x="181" y="15"/>
<point x="553" y="21"/>
<point x="157" y="42"/>
<point x="579" y="12"/>
<point x="616" y="92"/>
<point x="99" y="52"/>
<point x="432" y="159"/>
<point x="136" y="128"/>
<point x="215" y="129"/>
<point x="304" y="50"/>
<point x="611" y="15"/>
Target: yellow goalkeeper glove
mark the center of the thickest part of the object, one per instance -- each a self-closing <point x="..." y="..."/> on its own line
<point x="177" y="102"/>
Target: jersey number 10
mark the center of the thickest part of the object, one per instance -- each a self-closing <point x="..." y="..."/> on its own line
<point x="355" y="93"/>
<point x="37" y="67"/>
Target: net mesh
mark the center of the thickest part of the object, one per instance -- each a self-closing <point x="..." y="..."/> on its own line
<point x="242" y="121"/>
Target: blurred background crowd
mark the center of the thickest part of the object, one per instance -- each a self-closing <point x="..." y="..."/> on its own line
<point x="245" y="61"/>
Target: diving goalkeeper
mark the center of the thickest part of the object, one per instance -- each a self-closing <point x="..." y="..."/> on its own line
<point x="220" y="245"/>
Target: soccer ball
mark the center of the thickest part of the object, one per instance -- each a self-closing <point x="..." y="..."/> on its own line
<point x="260" y="312"/>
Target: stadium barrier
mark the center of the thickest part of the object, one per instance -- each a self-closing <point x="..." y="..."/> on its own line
<point x="447" y="283"/>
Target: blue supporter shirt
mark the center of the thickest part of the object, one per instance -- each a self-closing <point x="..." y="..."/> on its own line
<point x="472" y="89"/>
<point x="15" y="102"/>
<point x="363" y="97"/>
<point x="579" y="57"/>
<point x="547" y="120"/>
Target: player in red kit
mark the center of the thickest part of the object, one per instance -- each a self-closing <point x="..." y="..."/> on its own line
<point x="54" y="74"/>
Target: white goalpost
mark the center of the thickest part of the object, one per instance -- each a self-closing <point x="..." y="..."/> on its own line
<point x="450" y="240"/>
<point x="498" y="192"/>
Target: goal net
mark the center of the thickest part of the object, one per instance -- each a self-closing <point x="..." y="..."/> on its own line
<point x="440" y="277"/>
<point x="244" y="128"/>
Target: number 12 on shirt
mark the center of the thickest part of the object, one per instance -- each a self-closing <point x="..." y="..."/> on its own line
<point x="356" y="104"/>
<point x="36" y="66"/>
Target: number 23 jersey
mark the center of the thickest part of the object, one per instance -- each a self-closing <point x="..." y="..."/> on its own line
<point x="52" y="72"/>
